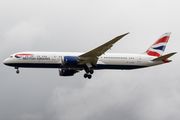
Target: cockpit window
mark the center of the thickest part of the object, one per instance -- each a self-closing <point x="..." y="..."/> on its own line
<point x="10" y="56"/>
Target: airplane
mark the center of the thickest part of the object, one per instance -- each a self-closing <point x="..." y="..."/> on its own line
<point x="69" y="63"/>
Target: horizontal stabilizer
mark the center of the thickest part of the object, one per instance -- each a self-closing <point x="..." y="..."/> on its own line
<point x="164" y="57"/>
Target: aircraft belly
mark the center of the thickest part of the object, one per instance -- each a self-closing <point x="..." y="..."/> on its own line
<point x="36" y="65"/>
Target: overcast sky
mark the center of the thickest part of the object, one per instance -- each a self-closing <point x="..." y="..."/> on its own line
<point x="79" y="26"/>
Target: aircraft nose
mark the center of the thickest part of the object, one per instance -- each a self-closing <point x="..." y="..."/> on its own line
<point x="8" y="62"/>
<point x="5" y="62"/>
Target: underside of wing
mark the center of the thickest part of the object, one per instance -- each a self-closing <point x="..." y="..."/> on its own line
<point x="92" y="56"/>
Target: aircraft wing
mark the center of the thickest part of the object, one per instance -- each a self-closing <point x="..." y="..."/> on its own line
<point x="92" y="56"/>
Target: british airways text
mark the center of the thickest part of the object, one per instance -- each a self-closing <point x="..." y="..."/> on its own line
<point x="38" y="58"/>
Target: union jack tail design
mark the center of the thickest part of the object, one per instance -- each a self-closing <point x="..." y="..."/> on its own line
<point x="159" y="46"/>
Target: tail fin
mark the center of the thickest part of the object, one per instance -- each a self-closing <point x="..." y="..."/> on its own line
<point x="159" y="46"/>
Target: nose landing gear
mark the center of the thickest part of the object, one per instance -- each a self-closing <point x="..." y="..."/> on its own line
<point x="17" y="71"/>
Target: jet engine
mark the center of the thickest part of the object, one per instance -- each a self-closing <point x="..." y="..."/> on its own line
<point x="66" y="72"/>
<point x="69" y="60"/>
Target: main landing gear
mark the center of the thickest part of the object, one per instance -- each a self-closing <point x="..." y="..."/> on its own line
<point x="89" y="71"/>
<point x="17" y="71"/>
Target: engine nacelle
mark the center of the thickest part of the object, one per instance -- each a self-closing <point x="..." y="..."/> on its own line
<point x="66" y="72"/>
<point x="69" y="60"/>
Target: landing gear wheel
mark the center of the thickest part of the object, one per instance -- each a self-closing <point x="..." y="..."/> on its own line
<point x="85" y="75"/>
<point x="17" y="71"/>
<point x="89" y="76"/>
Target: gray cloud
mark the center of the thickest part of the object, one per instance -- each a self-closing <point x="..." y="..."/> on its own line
<point x="40" y="94"/>
<point x="124" y="97"/>
<point x="37" y="116"/>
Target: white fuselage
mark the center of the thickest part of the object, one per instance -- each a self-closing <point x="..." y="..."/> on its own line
<point x="55" y="60"/>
